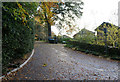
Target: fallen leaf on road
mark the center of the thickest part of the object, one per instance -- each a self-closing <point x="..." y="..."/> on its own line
<point x="44" y="65"/>
<point x="95" y="74"/>
<point x="58" y="78"/>
<point x="73" y="48"/>
<point x="26" y="77"/>
<point x="50" y="68"/>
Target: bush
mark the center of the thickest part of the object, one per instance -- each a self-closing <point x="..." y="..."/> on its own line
<point x="17" y="37"/>
<point x="95" y="49"/>
<point x="60" y="39"/>
<point x="17" y="43"/>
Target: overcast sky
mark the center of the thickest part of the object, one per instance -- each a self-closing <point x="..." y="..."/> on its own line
<point x="96" y="12"/>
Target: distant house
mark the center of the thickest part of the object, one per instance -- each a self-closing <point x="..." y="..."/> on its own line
<point x="83" y="32"/>
<point x="112" y="34"/>
<point x="65" y="36"/>
<point x="85" y="36"/>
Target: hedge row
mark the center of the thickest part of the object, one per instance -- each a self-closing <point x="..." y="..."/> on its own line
<point x="17" y="37"/>
<point x="16" y="41"/>
<point x="98" y="49"/>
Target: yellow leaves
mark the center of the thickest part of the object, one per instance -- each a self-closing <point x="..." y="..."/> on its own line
<point x="26" y="77"/>
<point x="20" y="6"/>
<point x="112" y="36"/>
<point x="45" y="12"/>
<point x="23" y="12"/>
<point x="51" y="22"/>
<point x="30" y="29"/>
<point x="15" y="18"/>
<point x="25" y="57"/>
<point x="44" y="65"/>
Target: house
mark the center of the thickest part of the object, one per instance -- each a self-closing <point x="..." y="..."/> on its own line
<point x="83" y="32"/>
<point x="111" y="34"/>
<point x="119" y="37"/>
<point x="85" y="36"/>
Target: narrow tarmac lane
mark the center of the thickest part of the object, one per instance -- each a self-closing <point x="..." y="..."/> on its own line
<point x="55" y="62"/>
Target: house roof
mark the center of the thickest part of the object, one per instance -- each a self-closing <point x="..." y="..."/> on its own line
<point x="85" y="30"/>
<point x="107" y="23"/>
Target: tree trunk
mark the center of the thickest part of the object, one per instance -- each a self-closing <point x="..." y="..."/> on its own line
<point x="49" y="30"/>
<point x="48" y="26"/>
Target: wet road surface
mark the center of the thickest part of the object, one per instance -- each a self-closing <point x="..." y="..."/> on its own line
<point x="55" y="62"/>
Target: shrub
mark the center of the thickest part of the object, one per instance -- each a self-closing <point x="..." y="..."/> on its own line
<point x="17" y="37"/>
<point x="17" y="43"/>
<point x="95" y="49"/>
<point x="60" y="39"/>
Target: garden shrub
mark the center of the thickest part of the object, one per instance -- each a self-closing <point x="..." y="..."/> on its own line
<point x="60" y="39"/>
<point x="17" y="36"/>
<point x="95" y="49"/>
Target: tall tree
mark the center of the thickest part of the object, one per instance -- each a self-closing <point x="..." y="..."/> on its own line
<point x="59" y="11"/>
<point x="46" y="15"/>
<point x="66" y="14"/>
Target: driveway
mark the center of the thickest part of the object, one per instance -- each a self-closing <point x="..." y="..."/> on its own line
<point x="55" y="62"/>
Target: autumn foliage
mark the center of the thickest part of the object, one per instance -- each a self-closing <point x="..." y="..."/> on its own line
<point x="17" y="31"/>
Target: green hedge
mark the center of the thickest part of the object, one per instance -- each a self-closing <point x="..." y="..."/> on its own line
<point x="95" y="49"/>
<point x="16" y="44"/>
<point x="17" y="38"/>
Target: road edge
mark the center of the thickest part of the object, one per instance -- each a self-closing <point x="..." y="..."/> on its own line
<point x="14" y="70"/>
